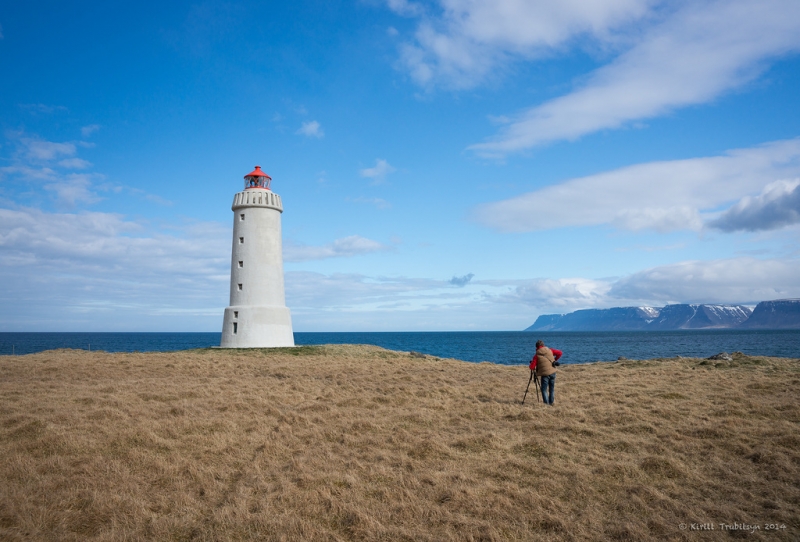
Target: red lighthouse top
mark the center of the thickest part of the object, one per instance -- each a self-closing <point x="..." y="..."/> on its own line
<point x="257" y="179"/>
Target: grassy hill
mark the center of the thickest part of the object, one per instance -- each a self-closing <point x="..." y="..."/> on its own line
<point x="360" y="443"/>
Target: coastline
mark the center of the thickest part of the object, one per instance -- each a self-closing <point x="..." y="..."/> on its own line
<point x="357" y="442"/>
<point x="504" y="347"/>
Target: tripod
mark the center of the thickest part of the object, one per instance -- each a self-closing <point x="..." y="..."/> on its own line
<point x="536" y="385"/>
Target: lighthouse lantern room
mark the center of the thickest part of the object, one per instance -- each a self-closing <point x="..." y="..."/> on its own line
<point x="257" y="179"/>
<point x="257" y="316"/>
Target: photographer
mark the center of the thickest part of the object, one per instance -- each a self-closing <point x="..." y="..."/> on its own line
<point x="544" y="362"/>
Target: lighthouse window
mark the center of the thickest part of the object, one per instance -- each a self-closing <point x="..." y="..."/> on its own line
<point x="240" y="287"/>
<point x="241" y="240"/>
<point x="241" y="264"/>
<point x="241" y="216"/>
<point x="236" y="314"/>
<point x="235" y="327"/>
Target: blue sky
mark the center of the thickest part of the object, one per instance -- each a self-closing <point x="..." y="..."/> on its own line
<point x="445" y="165"/>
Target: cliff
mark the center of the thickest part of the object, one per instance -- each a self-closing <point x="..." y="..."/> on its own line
<point x="616" y="319"/>
<point x="778" y="314"/>
<point x="671" y="317"/>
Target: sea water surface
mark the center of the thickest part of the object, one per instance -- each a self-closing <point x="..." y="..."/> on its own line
<point x="505" y="347"/>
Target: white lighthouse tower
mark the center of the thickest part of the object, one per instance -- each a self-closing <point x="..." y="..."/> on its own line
<point x="257" y="316"/>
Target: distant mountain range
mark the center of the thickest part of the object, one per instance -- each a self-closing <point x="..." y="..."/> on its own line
<point x="778" y="314"/>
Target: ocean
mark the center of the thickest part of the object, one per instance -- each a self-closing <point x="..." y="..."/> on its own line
<point x="504" y="347"/>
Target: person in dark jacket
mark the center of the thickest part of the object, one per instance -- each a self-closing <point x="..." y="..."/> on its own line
<point x="544" y="363"/>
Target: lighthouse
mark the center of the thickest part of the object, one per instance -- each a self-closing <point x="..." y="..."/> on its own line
<point x="257" y="316"/>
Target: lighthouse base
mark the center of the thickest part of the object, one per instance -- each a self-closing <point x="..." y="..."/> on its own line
<point x="256" y="327"/>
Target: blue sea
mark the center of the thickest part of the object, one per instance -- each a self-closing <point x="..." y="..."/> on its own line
<point x="505" y="347"/>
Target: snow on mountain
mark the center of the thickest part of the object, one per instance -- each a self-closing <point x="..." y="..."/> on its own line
<point x="671" y="317"/>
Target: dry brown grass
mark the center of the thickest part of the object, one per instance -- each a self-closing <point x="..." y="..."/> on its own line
<point x="360" y="443"/>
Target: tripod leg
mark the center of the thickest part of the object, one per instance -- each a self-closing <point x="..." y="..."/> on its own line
<point x="526" y="389"/>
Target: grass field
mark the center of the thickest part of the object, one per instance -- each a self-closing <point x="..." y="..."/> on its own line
<point x="360" y="443"/>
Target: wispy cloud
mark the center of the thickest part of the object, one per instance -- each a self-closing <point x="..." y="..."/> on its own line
<point x="32" y="173"/>
<point x="405" y="8"/>
<point x="86" y="131"/>
<point x="91" y="270"/>
<point x="695" y="55"/>
<point x="732" y="280"/>
<point x="344" y="301"/>
<point x="311" y="129"/>
<point x="662" y="196"/>
<point x="560" y="295"/>
<point x="777" y="206"/>
<point x="351" y="290"/>
<point x="44" y="108"/>
<point x="379" y="203"/>
<point x="102" y="271"/>
<point x="743" y="280"/>
<point x="346" y="247"/>
<point x="379" y="172"/>
<point x="463" y="42"/>
<point x="35" y="160"/>
<point x="74" y="189"/>
<point x="74" y="163"/>
<point x="39" y="149"/>
<point x="347" y="301"/>
<point x="663" y="57"/>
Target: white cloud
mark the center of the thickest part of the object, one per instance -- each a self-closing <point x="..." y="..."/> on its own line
<point x="777" y="206"/>
<point x="74" y="163"/>
<point x="84" y="271"/>
<point x="73" y="189"/>
<point x="39" y="149"/>
<point x="101" y="271"/>
<point x="663" y="219"/>
<point x="346" y="247"/>
<point x="379" y="203"/>
<point x="44" y="108"/>
<point x="354" y="301"/>
<point x="404" y="7"/>
<point x="311" y="129"/>
<point x="733" y="280"/>
<point x="351" y="291"/>
<point x="344" y="301"/>
<point x="28" y="157"/>
<point x="351" y="301"/>
<point x="666" y="56"/>
<point x="90" y="240"/>
<point x="663" y="196"/>
<point x="379" y="172"/>
<point x="86" y="131"/>
<point x="700" y="52"/>
<point x="463" y="45"/>
<point x="43" y="173"/>
<point x="559" y="294"/>
<point x="157" y="199"/>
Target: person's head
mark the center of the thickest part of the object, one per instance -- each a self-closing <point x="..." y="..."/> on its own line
<point x="539" y="344"/>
